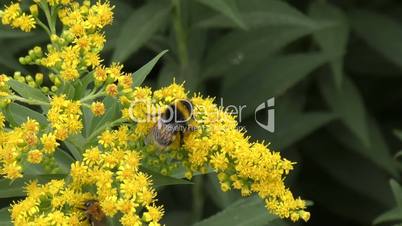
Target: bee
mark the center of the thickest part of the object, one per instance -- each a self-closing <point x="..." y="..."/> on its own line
<point x="94" y="213"/>
<point x="172" y="124"/>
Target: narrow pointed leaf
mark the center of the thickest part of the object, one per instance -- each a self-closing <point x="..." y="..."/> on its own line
<point x="271" y="79"/>
<point x="234" y="53"/>
<point x="397" y="191"/>
<point x="228" y="8"/>
<point x="17" y="114"/>
<point x="391" y="215"/>
<point x="381" y="32"/>
<point x="5" y="218"/>
<point x="347" y="103"/>
<point x="140" y="75"/>
<point x="27" y="92"/>
<point x="260" y="13"/>
<point x="160" y="180"/>
<point x="245" y="212"/>
<point x="139" y="28"/>
<point x="332" y="39"/>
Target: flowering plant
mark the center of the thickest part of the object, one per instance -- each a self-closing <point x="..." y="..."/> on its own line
<point x="68" y="134"/>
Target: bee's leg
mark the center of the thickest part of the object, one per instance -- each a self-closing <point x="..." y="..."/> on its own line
<point x="181" y="134"/>
<point x="84" y="219"/>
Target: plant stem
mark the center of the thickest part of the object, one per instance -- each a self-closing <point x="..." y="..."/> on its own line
<point x="198" y="198"/>
<point x="28" y="101"/>
<point x="104" y="127"/>
<point x="43" y="26"/>
<point x="92" y="96"/>
<point x="45" y="8"/>
<point x="181" y="37"/>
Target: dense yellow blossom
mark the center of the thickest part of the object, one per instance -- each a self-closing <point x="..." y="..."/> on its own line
<point x="16" y="142"/>
<point x="65" y="117"/>
<point x="240" y="164"/>
<point x="13" y="16"/>
<point x="110" y="171"/>
<point x="60" y="201"/>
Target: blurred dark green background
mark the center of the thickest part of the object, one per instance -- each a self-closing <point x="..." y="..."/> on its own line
<point x="334" y="67"/>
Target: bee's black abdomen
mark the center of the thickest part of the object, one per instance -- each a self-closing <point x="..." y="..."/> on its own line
<point x="188" y="105"/>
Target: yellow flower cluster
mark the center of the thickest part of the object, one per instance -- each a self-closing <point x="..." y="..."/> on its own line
<point x="13" y="15"/>
<point x="109" y="174"/>
<point x="217" y="143"/>
<point x="23" y="144"/>
<point x="65" y="117"/>
<point x="76" y="50"/>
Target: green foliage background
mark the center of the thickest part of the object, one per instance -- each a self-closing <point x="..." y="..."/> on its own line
<point x="334" y="68"/>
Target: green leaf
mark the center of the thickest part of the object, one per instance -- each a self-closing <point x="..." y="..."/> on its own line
<point x="397" y="192"/>
<point x="64" y="160"/>
<point x="10" y="33"/>
<point x="391" y="215"/>
<point x="221" y="199"/>
<point x="228" y="8"/>
<point x="74" y="150"/>
<point x="5" y="218"/>
<point x="398" y="134"/>
<point x="68" y="89"/>
<point x="7" y="60"/>
<point x="344" y="166"/>
<point x="235" y="53"/>
<point x="110" y="115"/>
<point x="378" y="151"/>
<point x="245" y="212"/>
<point x="81" y="86"/>
<point x="87" y="117"/>
<point x="291" y="128"/>
<point x="260" y="13"/>
<point x="26" y="91"/>
<point x="17" y="114"/>
<point x="381" y="32"/>
<point x="75" y="145"/>
<point x="347" y="103"/>
<point x="139" y="28"/>
<point x="160" y="180"/>
<point x="16" y="188"/>
<point x="332" y="39"/>
<point x="270" y="79"/>
<point x="122" y="11"/>
<point x="140" y="75"/>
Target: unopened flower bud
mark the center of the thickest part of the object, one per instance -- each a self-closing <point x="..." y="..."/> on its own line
<point x="22" y="60"/>
<point x="27" y="59"/>
<point x="52" y="77"/>
<point x="32" y="84"/>
<point x="34" y="10"/>
<point x="54" y="89"/>
<point x="57" y="82"/>
<point x="39" y="78"/>
<point x="38" y="51"/>
<point x="45" y="90"/>
<point x="29" y="78"/>
<point x="17" y="74"/>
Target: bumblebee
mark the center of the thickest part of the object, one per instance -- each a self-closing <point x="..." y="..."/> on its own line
<point x="94" y="213"/>
<point x="172" y="124"/>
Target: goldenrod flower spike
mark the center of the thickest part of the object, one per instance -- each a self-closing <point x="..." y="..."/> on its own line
<point x="240" y="164"/>
<point x="110" y="171"/>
